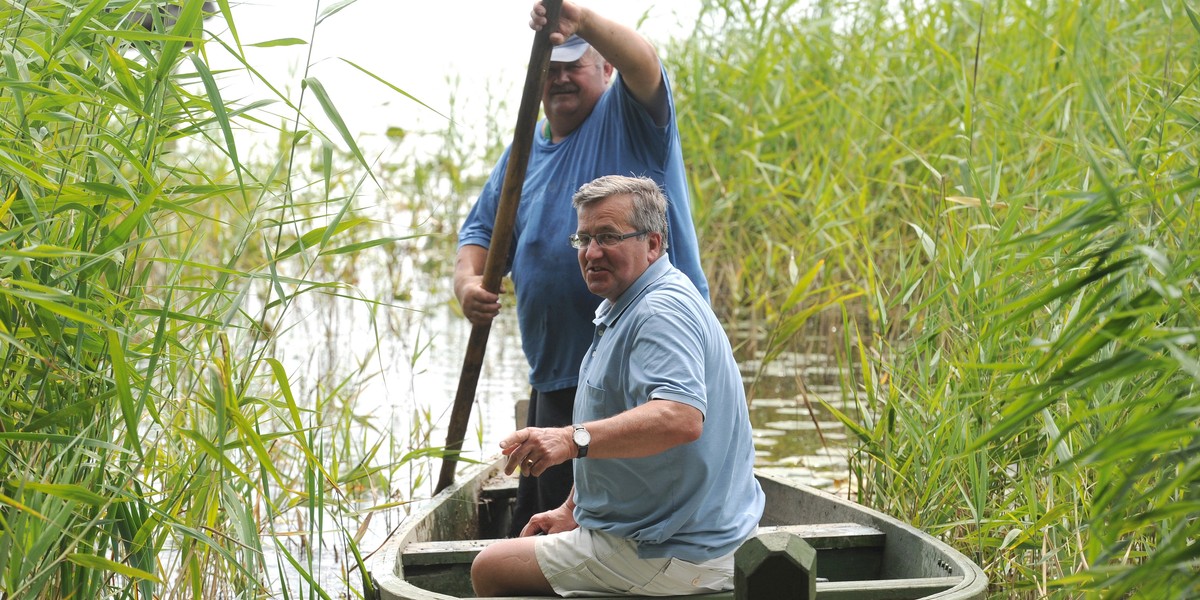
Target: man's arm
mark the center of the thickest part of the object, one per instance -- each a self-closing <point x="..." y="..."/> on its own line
<point x="645" y="430"/>
<point x="479" y="305"/>
<point x="625" y="49"/>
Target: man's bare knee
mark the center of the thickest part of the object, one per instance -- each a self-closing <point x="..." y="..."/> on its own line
<point x="481" y="580"/>
<point x="483" y="572"/>
<point x="506" y="568"/>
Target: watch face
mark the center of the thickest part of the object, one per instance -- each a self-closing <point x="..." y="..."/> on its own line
<point x="582" y="437"/>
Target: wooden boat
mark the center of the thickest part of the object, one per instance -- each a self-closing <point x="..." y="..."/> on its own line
<point x="860" y="553"/>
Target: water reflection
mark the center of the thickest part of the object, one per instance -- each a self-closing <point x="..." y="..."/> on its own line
<point x="795" y="436"/>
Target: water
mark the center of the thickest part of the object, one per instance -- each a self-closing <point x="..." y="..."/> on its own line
<point x="385" y="370"/>
<point x="794" y="435"/>
<point x="417" y="362"/>
<point x="401" y="361"/>
<point x="405" y="361"/>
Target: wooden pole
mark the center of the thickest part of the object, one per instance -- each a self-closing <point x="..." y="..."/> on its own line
<point x="497" y="256"/>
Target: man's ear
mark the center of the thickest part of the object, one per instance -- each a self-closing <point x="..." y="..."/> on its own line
<point x="657" y="244"/>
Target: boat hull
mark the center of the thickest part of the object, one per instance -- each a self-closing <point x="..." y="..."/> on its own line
<point x="861" y="553"/>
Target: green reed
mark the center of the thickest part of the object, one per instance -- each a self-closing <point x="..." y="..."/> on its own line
<point x="999" y="198"/>
<point x="151" y="442"/>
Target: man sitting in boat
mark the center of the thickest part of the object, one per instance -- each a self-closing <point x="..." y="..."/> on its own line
<point x="664" y="484"/>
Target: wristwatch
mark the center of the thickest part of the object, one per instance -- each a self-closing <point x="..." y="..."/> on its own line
<point x="582" y="438"/>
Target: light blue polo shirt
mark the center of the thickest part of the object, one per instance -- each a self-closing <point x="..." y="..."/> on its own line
<point x="698" y="501"/>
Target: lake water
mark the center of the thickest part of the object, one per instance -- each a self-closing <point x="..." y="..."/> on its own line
<point x="403" y="363"/>
<point x="385" y="369"/>
<point x="400" y="360"/>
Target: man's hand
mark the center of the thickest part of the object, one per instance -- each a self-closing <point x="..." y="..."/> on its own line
<point x="535" y="449"/>
<point x="479" y="306"/>
<point x="568" y="21"/>
<point x="552" y="521"/>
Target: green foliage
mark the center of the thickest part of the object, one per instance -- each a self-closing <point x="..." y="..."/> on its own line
<point x="987" y="209"/>
<point x="150" y="442"/>
<point x="1002" y="198"/>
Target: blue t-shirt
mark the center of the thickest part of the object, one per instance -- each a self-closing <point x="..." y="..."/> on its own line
<point x="554" y="306"/>
<point x="698" y="501"/>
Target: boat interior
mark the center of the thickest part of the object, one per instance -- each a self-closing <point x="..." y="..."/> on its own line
<point x="859" y="555"/>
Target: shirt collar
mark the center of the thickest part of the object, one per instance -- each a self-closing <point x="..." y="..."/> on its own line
<point x="608" y="312"/>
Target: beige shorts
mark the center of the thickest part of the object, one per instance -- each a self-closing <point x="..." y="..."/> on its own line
<point x="587" y="562"/>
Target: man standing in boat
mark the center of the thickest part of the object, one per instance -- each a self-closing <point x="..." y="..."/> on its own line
<point x="591" y="129"/>
<point x="664" y="458"/>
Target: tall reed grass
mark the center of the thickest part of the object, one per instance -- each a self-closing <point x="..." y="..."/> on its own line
<point x="152" y="441"/>
<point x="995" y="206"/>
<point x="987" y="209"/>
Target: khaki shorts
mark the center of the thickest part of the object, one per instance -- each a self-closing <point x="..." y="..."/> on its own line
<point x="587" y="562"/>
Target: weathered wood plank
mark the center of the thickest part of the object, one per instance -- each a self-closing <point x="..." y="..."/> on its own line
<point x="880" y="589"/>
<point x="443" y="553"/>
<point x="833" y="535"/>
<point x="820" y="536"/>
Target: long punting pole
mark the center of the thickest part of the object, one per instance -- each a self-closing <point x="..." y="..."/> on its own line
<point x="506" y="216"/>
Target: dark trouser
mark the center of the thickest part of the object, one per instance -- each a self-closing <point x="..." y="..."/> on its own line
<point x="550" y="489"/>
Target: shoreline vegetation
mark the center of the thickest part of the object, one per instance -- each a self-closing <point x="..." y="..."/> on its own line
<point x="985" y="211"/>
<point x="988" y="210"/>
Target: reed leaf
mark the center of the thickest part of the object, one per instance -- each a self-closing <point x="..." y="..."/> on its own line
<point x="92" y="561"/>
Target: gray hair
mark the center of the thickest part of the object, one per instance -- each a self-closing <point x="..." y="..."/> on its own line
<point x="649" y="203"/>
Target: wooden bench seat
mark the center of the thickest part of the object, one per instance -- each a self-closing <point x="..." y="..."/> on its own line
<point x="822" y="536"/>
<point x="456" y="556"/>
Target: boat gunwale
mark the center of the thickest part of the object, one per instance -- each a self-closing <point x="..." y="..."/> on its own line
<point x="389" y="581"/>
<point x="973" y="583"/>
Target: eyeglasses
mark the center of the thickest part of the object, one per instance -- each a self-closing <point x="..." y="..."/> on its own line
<point x="555" y="71"/>
<point x="579" y="241"/>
